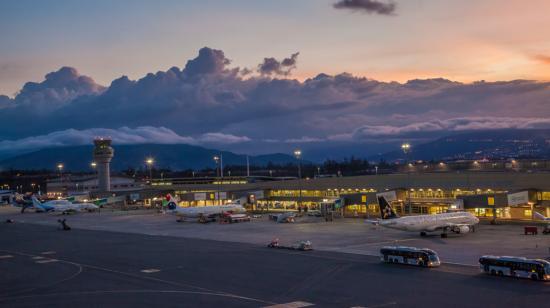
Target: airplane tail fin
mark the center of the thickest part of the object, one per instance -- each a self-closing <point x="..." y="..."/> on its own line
<point x="36" y="203"/>
<point x="172" y="202"/>
<point x="539" y="216"/>
<point x="386" y="211"/>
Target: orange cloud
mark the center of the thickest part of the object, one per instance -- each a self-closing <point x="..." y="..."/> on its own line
<point x="542" y="58"/>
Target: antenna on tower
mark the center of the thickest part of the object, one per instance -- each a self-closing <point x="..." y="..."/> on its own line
<point x="247" y="166"/>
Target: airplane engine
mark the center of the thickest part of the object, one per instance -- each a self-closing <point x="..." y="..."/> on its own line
<point x="462" y="229"/>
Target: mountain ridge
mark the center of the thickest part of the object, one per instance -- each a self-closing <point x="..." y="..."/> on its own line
<point x="169" y="156"/>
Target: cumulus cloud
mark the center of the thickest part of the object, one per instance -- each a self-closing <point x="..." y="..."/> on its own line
<point x="122" y="135"/>
<point x="5" y="102"/>
<point x="210" y="96"/>
<point x="367" y="6"/>
<point x="209" y="61"/>
<point x="272" y="66"/>
<point x="58" y="87"/>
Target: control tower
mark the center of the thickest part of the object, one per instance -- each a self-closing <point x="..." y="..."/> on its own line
<point x="103" y="153"/>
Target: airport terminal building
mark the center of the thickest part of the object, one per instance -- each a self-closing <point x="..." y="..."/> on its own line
<point x="505" y="195"/>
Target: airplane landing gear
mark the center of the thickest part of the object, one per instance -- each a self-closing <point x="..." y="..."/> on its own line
<point x="443" y="235"/>
<point x="423" y="233"/>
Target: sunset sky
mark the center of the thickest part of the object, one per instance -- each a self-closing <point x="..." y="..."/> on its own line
<point x="459" y="40"/>
<point x="227" y="74"/>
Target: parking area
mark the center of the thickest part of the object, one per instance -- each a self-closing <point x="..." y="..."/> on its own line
<point x="342" y="235"/>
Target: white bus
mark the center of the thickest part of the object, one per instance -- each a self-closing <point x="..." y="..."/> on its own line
<point x="535" y="269"/>
<point x="409" y="255"/>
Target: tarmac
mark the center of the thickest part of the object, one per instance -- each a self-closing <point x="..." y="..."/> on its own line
<point x="144" y="259"/>
<point x="342" y="235"/>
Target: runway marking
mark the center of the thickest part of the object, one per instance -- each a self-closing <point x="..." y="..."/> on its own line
<point x="47" y="253"/>
<point x="381" y="305"/>
<point x="81" y="266"/>
<point x="6" y="256"/>
<point x="297" y="304"/>
<point x="129" y="292"/>
<point x="46" y="261"/>
<point x="38" y="258"/>
<point x="150" y="270"/>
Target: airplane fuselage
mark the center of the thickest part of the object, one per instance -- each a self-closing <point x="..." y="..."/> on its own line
<point x="65" y="206"/>
<point x="194" y="212"/>
<point x="430" y="223"/>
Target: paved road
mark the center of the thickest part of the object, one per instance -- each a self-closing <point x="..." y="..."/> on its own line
<point x="44" y="267"/>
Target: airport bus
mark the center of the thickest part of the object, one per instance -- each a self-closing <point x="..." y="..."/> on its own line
<point x="409" y="255"/>
<point x="535" y="269"/>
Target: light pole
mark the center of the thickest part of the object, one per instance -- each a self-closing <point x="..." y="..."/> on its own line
<point x="298" y="155"/>
<point x="150" y="161"/>
<point x="93" y="164"/>
<point x="406" y="149"/>
<point x="217" y="160"/>
<point x="60" y="168"/>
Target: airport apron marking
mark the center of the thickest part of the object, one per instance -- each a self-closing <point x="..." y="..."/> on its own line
<point x="47" y="261"/>
<point x="81" y="266"/>
<point x="150" y="270"/>
<point x="298" y="304"/>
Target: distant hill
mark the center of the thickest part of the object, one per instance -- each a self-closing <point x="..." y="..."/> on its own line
<point x="173" y="156"/>
<point x="510" y="143"/>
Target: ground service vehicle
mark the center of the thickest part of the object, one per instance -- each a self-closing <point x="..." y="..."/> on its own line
<point x="409" y="255"/>
<point x="535" y="269"/>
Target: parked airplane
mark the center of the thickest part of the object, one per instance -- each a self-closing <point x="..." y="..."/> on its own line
<point x="204" y="211"/>
<point x="283" y="217"/>
<point x="539" y="216"/>
<point x="457" y="222"/>
<point x="62" y="206"/>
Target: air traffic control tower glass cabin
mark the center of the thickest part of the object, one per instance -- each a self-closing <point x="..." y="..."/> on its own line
<point x="103" y="153"/>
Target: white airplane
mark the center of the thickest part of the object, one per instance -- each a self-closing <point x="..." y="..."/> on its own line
<point x="457" y="222"/>
<point x="539" y="216"/>
<point x="202" y="211"/>
<point x="62" y="206"/>
<point x="283" y="217"/>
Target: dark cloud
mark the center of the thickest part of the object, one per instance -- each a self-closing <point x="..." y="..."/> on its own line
<point x="367" y="6"/>
<point x="209" y="61"/>
<point x="272" y="66"/>
<point x="5" y="102"/>
<point x="208" y="97"/>
<point x="450" y="125"/>
<point x="58" y="88"/>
